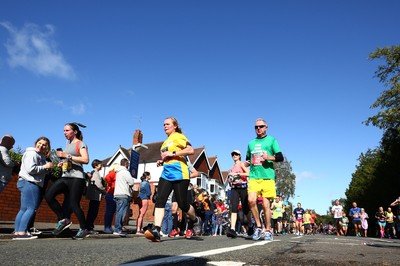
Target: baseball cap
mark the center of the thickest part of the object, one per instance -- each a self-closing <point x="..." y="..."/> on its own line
<point x="235" y="151"/>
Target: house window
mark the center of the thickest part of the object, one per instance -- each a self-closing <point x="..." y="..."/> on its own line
<point x="198" y="182"/>
<point x="212" y="188"/>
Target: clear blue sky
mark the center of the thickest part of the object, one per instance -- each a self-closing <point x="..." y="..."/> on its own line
<point x="214" y="65"/>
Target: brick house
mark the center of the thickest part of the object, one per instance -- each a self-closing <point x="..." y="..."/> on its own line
<point x="211" y="178"/>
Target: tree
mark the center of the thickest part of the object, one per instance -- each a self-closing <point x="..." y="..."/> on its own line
<point x="285" y="179"/>
<point x="376" y="178"/>
<point x="388" y="116"/>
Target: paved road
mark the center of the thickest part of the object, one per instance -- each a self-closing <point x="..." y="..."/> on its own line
<point x="136" y="250"/>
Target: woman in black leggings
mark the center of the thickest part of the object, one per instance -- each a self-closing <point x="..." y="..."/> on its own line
<point x="238" y="180"/>
<point x="71" y="183"/>
<point x="175" y="176"/>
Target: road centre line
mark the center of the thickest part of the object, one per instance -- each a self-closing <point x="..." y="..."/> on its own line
<point x="191" y="256"/>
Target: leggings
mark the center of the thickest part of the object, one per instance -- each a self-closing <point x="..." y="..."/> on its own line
<point x="236" y="194"/>
<point x="73" y="187"/>
<point x="180" y="188"/>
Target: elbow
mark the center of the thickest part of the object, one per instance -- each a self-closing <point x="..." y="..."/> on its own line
<point x="190" y="150"/>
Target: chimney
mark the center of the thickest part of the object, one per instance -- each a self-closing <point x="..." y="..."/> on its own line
<point x="137" y="137"/>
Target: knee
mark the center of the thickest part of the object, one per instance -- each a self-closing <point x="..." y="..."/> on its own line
<point x="252" y="202"/>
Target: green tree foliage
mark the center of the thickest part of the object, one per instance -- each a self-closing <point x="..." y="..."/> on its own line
<point x="376" y="179"/>
<point x="285" y="179"/>
<point x="388" y="116"/>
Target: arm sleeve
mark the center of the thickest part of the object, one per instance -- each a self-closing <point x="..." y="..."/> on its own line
<point x="278" y="157"/>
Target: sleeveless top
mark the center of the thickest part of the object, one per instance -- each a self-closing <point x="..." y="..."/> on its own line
<point x="238" y="182"/>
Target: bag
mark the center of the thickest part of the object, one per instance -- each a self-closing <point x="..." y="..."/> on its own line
<point x="92" y="192"/>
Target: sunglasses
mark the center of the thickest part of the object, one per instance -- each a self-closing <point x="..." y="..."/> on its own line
<point x="257" y="127"/>
<point x="235" y="154"/>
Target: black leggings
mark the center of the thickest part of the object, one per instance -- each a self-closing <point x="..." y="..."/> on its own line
<point x="73" y="188"/>
<point x="236" y="194"/>
<point x="180" y="188"/>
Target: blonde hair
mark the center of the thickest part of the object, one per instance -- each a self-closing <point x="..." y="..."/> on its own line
<point x="114" y="167"/>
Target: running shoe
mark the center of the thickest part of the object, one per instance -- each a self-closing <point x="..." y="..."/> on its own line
<point x="34" y="231"/>
<point x="152" y="234"/>
<point x="173" y="233"/>
<point x="268" y="236"/>
<point x="120" y="233"/>
<point x="61" y="226"/>
<point x="82" y="233"/>
<point x="257" y="233"/>
<point x="24" y="237"/>
<point x="231" y="233"/>
<point x="195" y="225"/>
<point x="189" y="233"/>
<point x="245" y="235"/>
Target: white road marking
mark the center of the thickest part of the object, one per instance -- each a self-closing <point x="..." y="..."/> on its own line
<point x="191" y="256"/>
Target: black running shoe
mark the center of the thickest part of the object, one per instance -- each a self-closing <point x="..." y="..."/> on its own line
<point x="152" y="234"/>
<point x="231" y="233"/>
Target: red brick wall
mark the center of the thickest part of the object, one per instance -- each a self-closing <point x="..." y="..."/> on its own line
<point x="10" y="205"/>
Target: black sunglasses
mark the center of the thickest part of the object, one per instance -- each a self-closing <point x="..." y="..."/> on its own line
<point x="235" y="154"/>
<point x="257" y="127"/>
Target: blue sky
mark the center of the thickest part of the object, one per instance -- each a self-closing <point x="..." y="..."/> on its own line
<point x="216" y="66"/>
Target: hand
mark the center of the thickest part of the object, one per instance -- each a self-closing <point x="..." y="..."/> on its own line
<point x="48" y="166"/>
<point x="61" y="154"/>
<point x="165" y="155"/>
<point x="160" y="162"/>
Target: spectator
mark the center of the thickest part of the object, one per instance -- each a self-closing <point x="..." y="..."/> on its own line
<point x="94" y="192"/>
<point x="110" y="202"/>
<point x="217" y="221"/>
<point x="122" y="196"/>
<point x="6" y="164"/>
<point x="31" y="178"/>
<point x="144" y="199"/>
<point x="167" y="223"/>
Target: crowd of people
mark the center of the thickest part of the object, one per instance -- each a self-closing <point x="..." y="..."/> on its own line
<point x="253" y="209"/>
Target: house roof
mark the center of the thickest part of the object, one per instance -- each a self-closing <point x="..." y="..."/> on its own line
<point x="200" y="160"/>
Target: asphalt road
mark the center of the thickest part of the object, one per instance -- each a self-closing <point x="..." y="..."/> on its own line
<point x="104" y="249"/>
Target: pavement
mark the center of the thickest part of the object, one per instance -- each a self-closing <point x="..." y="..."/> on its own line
<point x="7" y="230"/>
